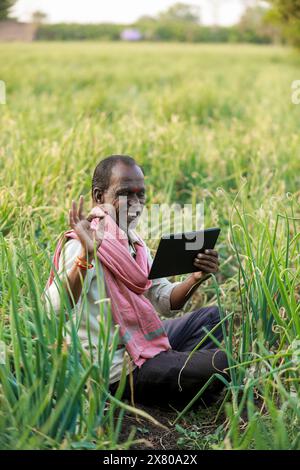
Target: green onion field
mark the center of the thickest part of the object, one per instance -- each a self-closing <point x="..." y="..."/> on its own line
<point x="212" y="123"/>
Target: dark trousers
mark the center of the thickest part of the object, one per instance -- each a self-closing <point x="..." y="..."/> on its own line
<point x="159" y="381"/>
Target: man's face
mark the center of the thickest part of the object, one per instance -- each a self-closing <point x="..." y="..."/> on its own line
<point x="126" y="193"/>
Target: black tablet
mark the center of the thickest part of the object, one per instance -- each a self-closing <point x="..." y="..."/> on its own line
<point x="176" y="252"/>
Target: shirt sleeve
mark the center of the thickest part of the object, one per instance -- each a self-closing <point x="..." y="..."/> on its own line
<point x="69" y="253"/>
<point x="160" y="292"/>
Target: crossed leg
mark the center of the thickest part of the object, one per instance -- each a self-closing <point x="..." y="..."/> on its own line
<point x="173" y="378"/>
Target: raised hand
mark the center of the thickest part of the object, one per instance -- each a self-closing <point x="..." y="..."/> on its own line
<point x="90" y="239"/>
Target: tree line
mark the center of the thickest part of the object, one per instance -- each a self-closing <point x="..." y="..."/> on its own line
<point x="278" y="22"/>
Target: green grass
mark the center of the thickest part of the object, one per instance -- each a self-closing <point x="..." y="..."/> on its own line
<point x="207" y="122"/>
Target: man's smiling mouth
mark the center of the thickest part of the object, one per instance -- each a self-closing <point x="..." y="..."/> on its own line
<point x="132" y="214"/>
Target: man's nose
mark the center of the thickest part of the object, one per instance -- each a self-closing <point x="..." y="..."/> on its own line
<point x="133" y="200"/>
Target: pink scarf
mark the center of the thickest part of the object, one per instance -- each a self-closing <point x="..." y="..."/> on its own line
<point x="126" y="280"/>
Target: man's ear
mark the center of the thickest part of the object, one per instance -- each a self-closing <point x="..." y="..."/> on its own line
<point x="98" y="196"/>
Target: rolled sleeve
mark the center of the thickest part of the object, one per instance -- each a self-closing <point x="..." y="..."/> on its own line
<point x="51" y="295"/>
<point x="159" y="293"/>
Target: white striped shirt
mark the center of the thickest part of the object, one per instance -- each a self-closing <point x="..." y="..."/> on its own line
<point x="159" y="295"/>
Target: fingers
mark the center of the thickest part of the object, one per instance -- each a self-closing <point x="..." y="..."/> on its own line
<point x="71" y="221"/>
<point x="209" y="255"/>
<point x="80" y="210"/>
<point x="74" y="212"/>
<point x="212" y="252"/>
<point x="100" y="230"/>
<point x="207" y="268"/>
<point x="207" y="262"/>
<point x="76" y="215"/>
<point x="96" y="212"/>
<point x="207" y="258"/>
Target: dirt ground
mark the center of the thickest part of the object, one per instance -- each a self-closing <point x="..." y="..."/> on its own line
<point x="151" y="436"/>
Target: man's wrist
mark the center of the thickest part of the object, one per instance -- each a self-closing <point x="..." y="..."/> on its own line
<point x="85" y="256"/>
<point x="196" y="279"/>
<point x="83" y="263"/>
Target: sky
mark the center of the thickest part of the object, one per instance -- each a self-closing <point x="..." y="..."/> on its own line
<point x="223" y="12"/>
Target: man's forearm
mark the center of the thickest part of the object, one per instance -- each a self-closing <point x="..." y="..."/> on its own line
<point x="74" y="282"/>
<point x="183" y="291"/>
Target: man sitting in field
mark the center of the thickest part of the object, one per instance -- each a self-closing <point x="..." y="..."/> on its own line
<point x="158" y="350"/>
